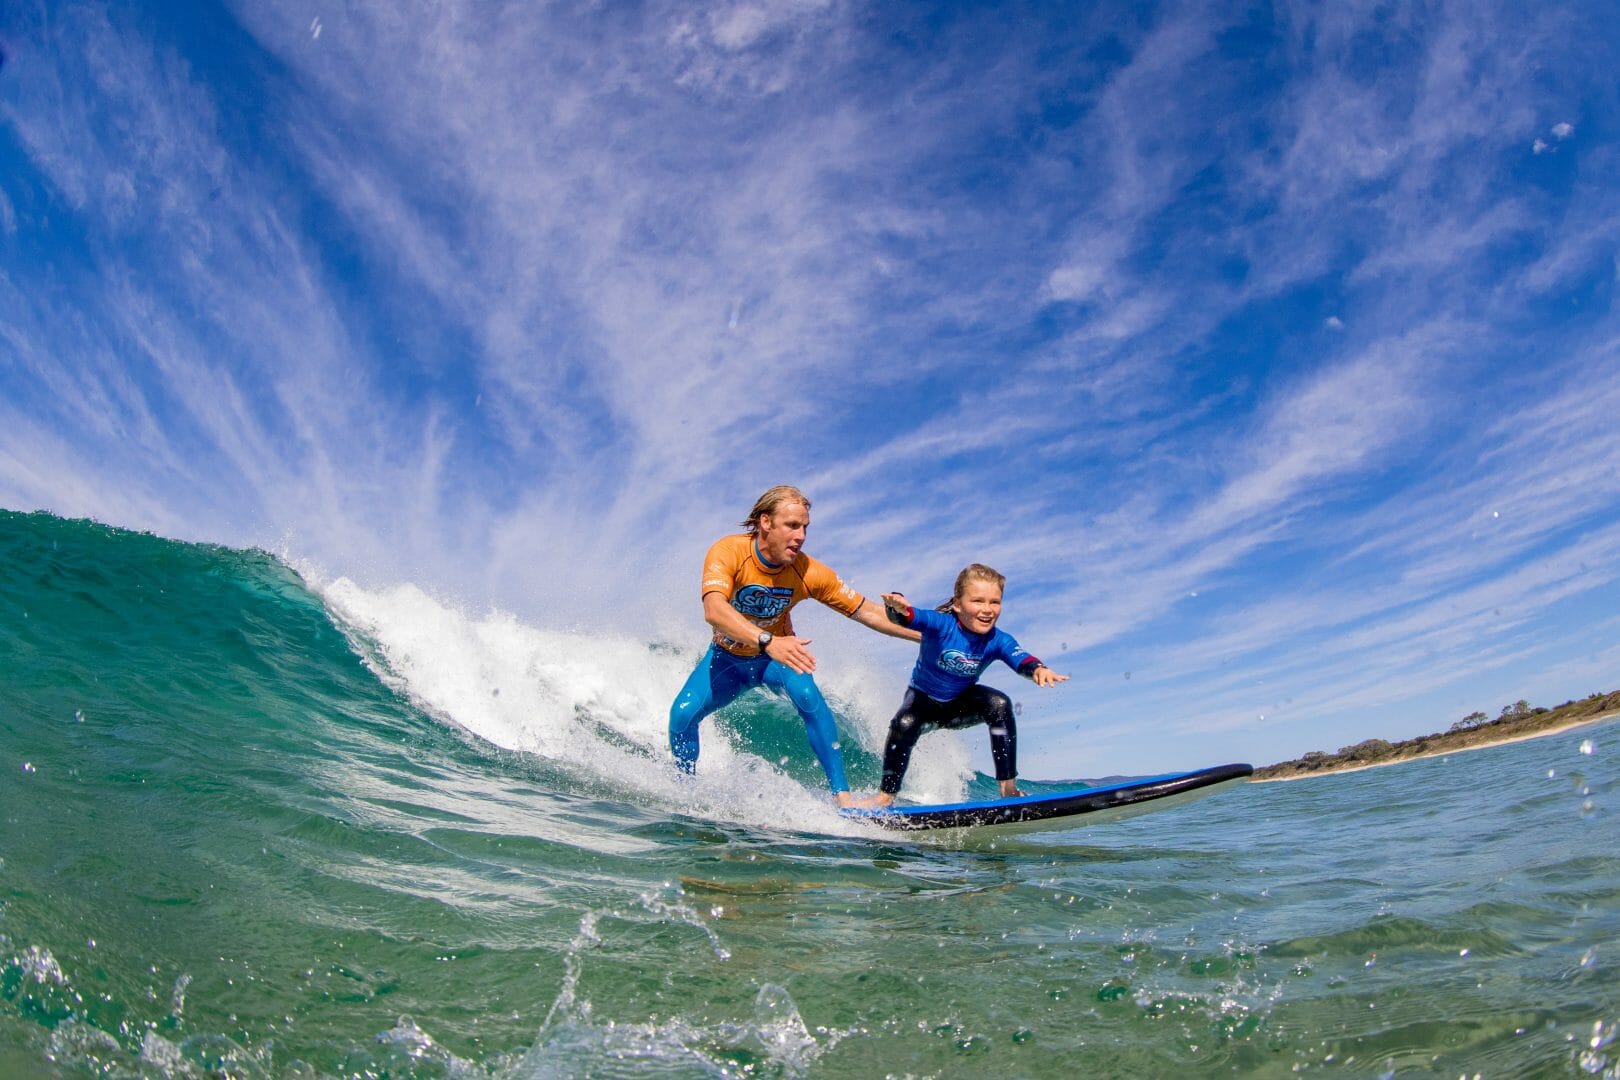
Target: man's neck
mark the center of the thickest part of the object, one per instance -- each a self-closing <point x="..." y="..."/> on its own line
<point x="765" y="560"/>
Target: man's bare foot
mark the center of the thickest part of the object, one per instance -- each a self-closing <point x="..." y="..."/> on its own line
<point x="878" y="801"/>
<point x="1009" y="789"/>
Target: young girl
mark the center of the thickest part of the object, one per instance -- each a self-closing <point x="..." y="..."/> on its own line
<point x="945" y="690"/>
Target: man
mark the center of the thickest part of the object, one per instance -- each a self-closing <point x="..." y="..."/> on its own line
<point x="751" y="581"/>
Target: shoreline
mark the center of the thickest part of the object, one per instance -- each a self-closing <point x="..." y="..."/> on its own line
<point x="1525" y="737"/>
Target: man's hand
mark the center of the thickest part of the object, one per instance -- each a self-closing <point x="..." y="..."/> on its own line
<point x="792" y="652"/>
<point x="897" y="608"/>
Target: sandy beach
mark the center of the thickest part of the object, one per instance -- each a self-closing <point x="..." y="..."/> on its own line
<point x="1557" y="729"/>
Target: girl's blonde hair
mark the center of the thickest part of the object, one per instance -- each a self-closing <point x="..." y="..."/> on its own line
<point x="973" y="572"/>
<point x="768" y="502"/>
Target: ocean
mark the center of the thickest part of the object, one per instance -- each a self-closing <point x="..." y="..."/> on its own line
<point x="255" y="825"/>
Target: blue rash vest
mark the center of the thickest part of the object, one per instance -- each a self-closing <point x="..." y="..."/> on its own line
<point x="951" y="659"/>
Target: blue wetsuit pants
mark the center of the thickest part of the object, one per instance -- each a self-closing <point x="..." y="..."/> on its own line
<point x="720" y="677"/>
<point x="975" y="705"/>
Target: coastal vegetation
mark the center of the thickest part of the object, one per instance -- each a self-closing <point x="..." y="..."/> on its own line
<point x="1521" y="720"/>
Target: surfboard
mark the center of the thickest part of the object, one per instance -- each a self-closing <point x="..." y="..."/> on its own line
<point x="1063" y="809"/>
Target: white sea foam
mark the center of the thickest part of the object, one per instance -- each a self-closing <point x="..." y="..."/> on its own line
<point x="599" y="705"/>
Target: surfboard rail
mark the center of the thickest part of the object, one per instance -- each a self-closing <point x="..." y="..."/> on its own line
<point x="1028" y="811"/>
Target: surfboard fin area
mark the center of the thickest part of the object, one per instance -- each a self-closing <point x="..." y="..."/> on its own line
<point x="1063" y="809"/>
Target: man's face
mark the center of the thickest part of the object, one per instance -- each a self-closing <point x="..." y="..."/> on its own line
<point x="781" y="534"/>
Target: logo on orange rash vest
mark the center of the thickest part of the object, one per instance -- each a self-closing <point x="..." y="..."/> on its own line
<point x="762" y="601"/>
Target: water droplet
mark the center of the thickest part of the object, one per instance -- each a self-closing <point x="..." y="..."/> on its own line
<point x="782" y="760"/>
<point x="28" y="767"/>
<point x="1588" y="747"/>
<point x="1127" y="674"/>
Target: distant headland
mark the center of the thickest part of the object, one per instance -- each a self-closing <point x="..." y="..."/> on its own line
<point x="1475" y="731"/>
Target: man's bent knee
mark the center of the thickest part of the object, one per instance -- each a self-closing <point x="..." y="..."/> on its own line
<point x="805" y="694"/>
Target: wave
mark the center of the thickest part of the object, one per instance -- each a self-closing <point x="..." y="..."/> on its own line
<point x="210" y="638"/>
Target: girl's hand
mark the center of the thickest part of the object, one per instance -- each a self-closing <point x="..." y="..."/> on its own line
<point x="1045" y="676"/>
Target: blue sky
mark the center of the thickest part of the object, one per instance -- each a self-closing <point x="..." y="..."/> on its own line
<point x="1271" y="352"/>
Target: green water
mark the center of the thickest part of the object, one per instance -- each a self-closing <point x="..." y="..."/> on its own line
<point x="238" y="838"/>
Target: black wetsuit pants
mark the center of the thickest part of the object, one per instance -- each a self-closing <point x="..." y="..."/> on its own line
<point x="975" y="705"/>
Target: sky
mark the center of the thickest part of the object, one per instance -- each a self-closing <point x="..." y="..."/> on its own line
<point x="1270" y="351"/>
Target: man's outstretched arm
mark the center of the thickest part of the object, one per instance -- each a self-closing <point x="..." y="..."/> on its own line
<point x="870" y="614"/>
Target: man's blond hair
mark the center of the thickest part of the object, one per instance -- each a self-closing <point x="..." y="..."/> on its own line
<point x="768" y="502"/>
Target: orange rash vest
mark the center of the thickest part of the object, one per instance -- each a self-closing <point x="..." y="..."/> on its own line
<point x="766" y="595"/>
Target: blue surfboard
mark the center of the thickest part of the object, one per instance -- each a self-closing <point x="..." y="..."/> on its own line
<point x="1063" y="809"/>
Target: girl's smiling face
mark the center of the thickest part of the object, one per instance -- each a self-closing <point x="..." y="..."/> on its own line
<point x="979" y="606"/>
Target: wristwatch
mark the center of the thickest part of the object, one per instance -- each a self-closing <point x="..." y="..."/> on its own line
<point x="764" y="640"/>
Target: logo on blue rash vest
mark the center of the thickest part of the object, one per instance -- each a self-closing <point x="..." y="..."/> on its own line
<point x="762" y="602"/>
<point x="958" y="662"/>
